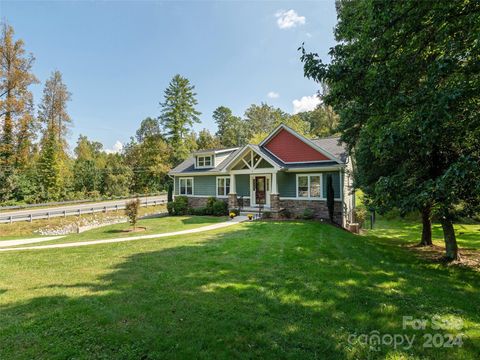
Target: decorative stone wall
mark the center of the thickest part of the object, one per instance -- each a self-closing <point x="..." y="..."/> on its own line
<point x="243" y="201"/>
<point x="319" y="207"/>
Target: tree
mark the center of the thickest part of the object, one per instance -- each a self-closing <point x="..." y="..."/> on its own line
<point x="404" y="79"/>
<point x="53" y="168"/>
<point x="53" y="108"/>
<point x="131" y="210"/>
<point x="232" y="130"/>
<point x="206" y="140"/>
<point x="262" y="119"/>
<point x="150" y="162"/>
<point x="179" y="114"/>
<point x="16" y="102"/>
<point x="117" y="176"/>
<point x="148" y="128"/>
<point x="323" y="121"/>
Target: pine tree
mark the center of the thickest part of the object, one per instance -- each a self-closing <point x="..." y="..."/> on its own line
<point x="53" y="109"/>
<point x="53" y="170"/>
<point x="179" y="114"/>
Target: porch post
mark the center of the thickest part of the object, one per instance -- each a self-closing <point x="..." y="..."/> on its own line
<point x="233" y="185"/>
<point x="232" y="195"/>
<point x="274" y="196"/>
<point x="274" y="183"/>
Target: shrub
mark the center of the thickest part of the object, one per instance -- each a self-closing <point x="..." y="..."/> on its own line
<point x="308" y="214"/>
<point x="220" y="208"/>
<point x="131" y="210"/>
<point x="287" y="214"/>
<point x="201" y="211"/>
<point x="179" y="206"/>
<point x="235" y="211"/>
<point x="170" y="208"/>
<point x="267" y="214"/>
<point x="360" y="213"/>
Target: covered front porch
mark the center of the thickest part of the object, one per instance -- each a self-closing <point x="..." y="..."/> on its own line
<point x="253" y="182"/>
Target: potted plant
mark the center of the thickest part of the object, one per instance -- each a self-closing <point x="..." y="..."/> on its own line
<point x="250" y="217"/>
<point x="232" y="215"/>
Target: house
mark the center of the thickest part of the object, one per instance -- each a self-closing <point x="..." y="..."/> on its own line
<point x="285" y="171"/>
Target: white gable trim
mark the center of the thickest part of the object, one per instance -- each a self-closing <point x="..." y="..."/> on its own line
<point x="240" y="155"/>
<point x="302" y="138"/>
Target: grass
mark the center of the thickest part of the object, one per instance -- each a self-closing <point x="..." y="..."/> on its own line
<point x="25" y="229"/>
<point x="257" y="290"/>
<point x="153" y="226"/>
<point x="468" y="235"/>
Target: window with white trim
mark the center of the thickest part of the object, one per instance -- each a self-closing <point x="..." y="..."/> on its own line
<point x="185" y="186"/>
<point x="309" y="186"/>
<point x="223" y="186"/>
<point x="204" y="161"/>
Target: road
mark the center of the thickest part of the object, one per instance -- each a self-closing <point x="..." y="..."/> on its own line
<point x="68" y="210"/>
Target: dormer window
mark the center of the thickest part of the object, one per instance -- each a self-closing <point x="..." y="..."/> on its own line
<point x="204" y="161"/>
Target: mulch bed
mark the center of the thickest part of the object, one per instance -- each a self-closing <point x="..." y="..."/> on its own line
<point x="468" y="257"/>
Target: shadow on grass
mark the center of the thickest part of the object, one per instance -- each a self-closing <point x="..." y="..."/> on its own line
<point x="267" y="290"/>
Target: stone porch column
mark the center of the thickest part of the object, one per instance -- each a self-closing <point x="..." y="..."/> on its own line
<point x="232" y="195"/>
<point x="274" y="195"/>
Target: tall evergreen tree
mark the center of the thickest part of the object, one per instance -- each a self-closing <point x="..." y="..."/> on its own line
<point x="179" y="114"/>
<point x="53" y="167"/>
<point x="53" y="108"/>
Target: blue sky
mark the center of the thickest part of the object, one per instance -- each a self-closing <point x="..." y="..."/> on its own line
<point x="118" y="57"/>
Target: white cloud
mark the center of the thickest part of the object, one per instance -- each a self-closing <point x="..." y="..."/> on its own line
<point x="306" y="103"/>
<point x="273" y="95"/>
<point x="287" y="19"/>
<point x="308" y="34"/>
<point x="117" y="148"/>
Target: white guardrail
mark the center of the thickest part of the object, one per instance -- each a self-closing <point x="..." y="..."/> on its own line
<point x="51" y="213"/>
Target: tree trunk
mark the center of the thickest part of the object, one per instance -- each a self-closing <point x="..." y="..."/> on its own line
<point x="451" y="247"/>
<point x="426" y="227"/>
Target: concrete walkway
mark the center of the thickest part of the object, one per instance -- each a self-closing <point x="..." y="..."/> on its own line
<point x="235" y="221"/>
<point x="7" y="243"/>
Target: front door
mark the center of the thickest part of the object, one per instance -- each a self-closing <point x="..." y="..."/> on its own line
<point x="260" y="190"/>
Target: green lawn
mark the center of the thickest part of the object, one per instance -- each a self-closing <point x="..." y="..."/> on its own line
<point x="255" y="290"/>
<point x="468" y="235"/>
<point x="153" y="226"/>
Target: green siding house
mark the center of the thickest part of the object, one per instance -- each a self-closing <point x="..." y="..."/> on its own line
<point x="285" y="172"/>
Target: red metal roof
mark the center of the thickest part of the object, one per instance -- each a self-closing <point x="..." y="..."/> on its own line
<point x="289" y="148"/>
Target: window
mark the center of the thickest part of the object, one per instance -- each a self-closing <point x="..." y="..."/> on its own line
<point x="186" y="186"/>
<point x="204" y="161"/>
<point x="302" y="186"/>
<point x="309" y="186"/>
<point x="223" y="186"/>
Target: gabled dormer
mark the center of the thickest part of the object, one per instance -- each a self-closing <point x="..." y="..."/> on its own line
<point x="208" y="159"/>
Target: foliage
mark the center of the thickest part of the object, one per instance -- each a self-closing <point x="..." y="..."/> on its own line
<point x="232" y="130"/>
<point x="207" y="141"/>
<point x="16" y="109"/>
<point x="408" y="103"/>
<point x="219" y="208"/>
<point x="179" y="114"/>
<point x="308" y="214"/>
<point x="131" y="210"/>
<point x="170" y="191"/>
<point x="267" y="215"/>
<point x="287" y="213"/>
<point x="178" y="207"/>
<point x="360" y="214"/>
<point x="149" y="127"/>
